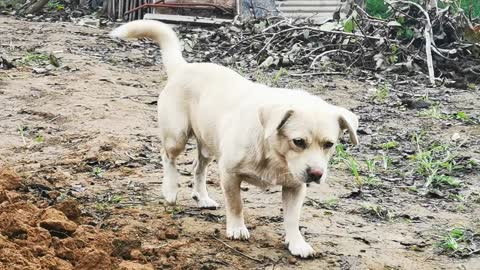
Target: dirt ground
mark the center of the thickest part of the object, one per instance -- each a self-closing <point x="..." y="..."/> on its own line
<point x="84" y="135"/>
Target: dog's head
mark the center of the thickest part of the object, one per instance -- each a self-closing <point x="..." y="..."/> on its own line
<point x="304" y="137"/>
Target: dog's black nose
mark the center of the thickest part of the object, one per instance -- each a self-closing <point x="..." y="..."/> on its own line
<point x="314" y="175"/>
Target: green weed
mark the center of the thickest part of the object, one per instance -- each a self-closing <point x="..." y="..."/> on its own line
<point x="117" y="199"/>
<point x="377" y="211"/>
<point x="39" y="139"/>
<point x="459" y="241"/>
<point x="386" y="161"/>
<point x="330" y="203"/>
<point x="174" y="210"/>
<point x="280" y="73"/>
<point x="101" y="207"/>
<point x="471" y="86"/>
<point x="462" y="116"/>
<point x="34" y="58"/>
<point x="466" y="5"/>
<point x="371" y="179"/>
<point x="381" y="93"/>
<point x="97" y="172"/>
<point x="55" y="5"/>
<point x="435" y="163"/>
<point x="389" y="145"/>
<point x="22" y="130"/>
<point x="433" y="112"/>
<point x="378" y="8"/>
<point x="351" y="163"/>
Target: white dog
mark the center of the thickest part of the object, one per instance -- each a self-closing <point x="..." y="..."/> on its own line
<point x="258" y="134"/>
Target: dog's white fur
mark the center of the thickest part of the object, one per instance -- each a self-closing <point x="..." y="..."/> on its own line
<point x="248" y="127"/>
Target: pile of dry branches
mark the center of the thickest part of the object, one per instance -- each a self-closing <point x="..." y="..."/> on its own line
<point x="439" y="45"/>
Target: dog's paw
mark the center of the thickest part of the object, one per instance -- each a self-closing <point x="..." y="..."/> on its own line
<point x="170" y="197"/>
<point x="301" y="249"/>
<point x="238" y="232"/>
<point x="206" y="202"/>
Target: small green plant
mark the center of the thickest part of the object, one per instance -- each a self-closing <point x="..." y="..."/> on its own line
<point x="389" y="145"/>
<point x="101" y="207"/>
<point x="433" y="112"/>
<point x="386" y="161"/>
<point x="393" y="58"/>
<point x="462" y="116"/>
<point x="349" y="25"/>
<point x="55" y="5"/>
<point x="371" y="180"/>
<point x="458" y="242"/>
<point x="381" y="93"/>
<point x="39" y="139"/>
<point x="471" y="86"/>
<point x="97" y="172"/>
<point x="22" y="130"/>
<point x="117" y="199"/>
<point x="355" y="167"/>
<point x="350" y="162"/>
<point x="456" y="197"/>
<point x="378" y="8"/>
<point x="281" y="72"/>
<point x="174" y="210"/>
<point x="465" y="5"/>
<point x="377" y="211"/>
<point x="34" y="59"/>
<point x="435" y="163"/>
<point x="330" y="203"/>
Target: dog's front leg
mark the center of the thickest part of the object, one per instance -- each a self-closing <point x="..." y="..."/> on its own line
<point x="292" y="198"/>
<point x="236" y="228"/>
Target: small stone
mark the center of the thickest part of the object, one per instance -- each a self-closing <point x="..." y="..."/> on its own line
<point x="53" y="194"/>
<point x="126" y="265"/>
<point x="365" y="131"/>
<point x="70" y="209"/>
<point x="9" y="180"/>
<point x="292" y="260"/>
<point x="161" y="235"/>
<point x="39" y="70"/>
<point x="456" y="136"/>
<point x="136" y="254"/>
<point x="171" y="233"/>
<point x="123" y="247"/>
<point x="56" y="222"/>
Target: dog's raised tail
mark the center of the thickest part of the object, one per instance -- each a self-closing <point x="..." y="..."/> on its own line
<point x="160" y="33"/>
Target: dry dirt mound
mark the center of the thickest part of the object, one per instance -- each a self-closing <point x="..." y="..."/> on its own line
<point x="38" y="236"/>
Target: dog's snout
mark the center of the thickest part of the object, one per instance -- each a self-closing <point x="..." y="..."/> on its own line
<point x="314" y="175"/>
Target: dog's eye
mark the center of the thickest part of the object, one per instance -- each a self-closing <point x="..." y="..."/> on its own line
<point x="300" y="143"/>
<point x="328" y="145"/>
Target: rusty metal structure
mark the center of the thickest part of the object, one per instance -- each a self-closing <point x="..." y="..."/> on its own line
<point x="128" y="10"/>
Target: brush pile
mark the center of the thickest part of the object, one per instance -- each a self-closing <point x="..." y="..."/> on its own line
<point x="434" y="46"/>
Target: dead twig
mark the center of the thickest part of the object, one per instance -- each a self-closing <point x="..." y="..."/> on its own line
<point x="312" y="65"/>
<point x="237" y="251"/>
<point x="428" y="50"/>
<point x="318" y="73"/>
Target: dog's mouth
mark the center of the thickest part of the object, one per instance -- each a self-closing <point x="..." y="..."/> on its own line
<point x="316" y="181"/>
<point x="308" y="179"/>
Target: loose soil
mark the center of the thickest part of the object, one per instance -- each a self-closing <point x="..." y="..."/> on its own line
<point x="80" y="169"/>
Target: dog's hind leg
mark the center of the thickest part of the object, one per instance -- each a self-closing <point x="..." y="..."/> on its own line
<point x="172" y="147"/>
<point x="200" y="194"/>
<point x="174" y="134"/>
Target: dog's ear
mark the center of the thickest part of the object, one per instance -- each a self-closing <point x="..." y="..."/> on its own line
<point x="349" y="121"/>
<point x="273" y="118"/>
